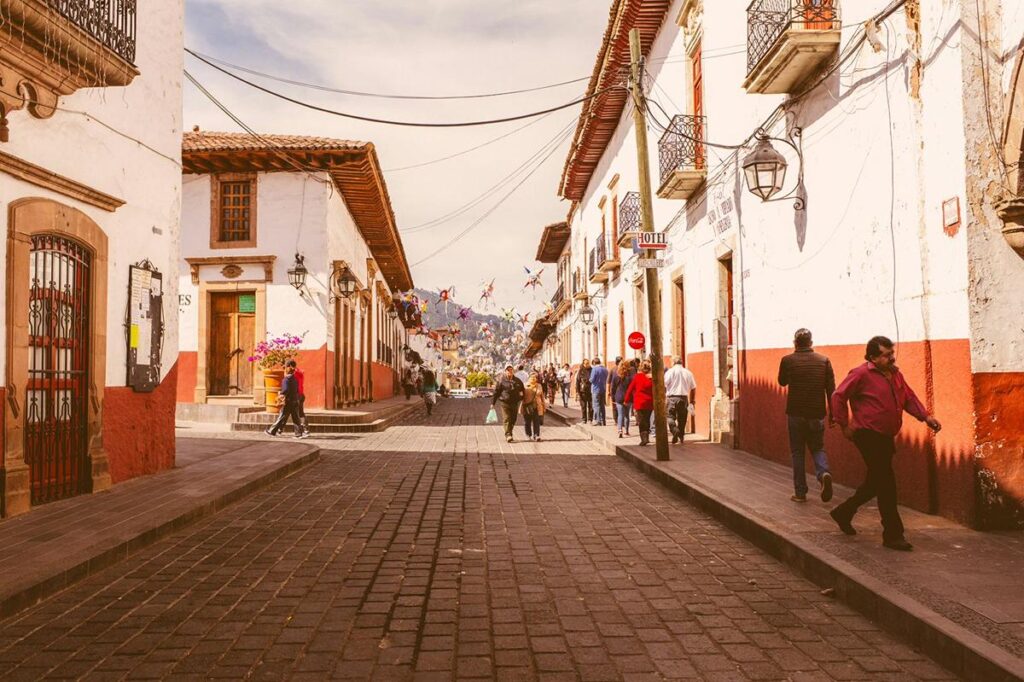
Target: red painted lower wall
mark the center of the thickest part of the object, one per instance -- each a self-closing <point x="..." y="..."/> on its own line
<point x="187" y="360"/>
<point x="935" y="474"/>
<point x="999" y="424"/>
<point x="315" y="370"/>
<point x="702" y="366"/>
<point x="138" y="429"/>
<point x="383" y="381"/>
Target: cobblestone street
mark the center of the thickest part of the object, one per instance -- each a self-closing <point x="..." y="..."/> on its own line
<point x="435" y="550"/>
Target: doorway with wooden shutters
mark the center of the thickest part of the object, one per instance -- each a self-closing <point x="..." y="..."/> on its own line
<point x="231" y="343"/>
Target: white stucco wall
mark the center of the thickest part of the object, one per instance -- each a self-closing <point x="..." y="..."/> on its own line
<point x="866" y="191"/>
<point x="125" y="142"/>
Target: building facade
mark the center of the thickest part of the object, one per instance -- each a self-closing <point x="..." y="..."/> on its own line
<point x="900" y="123"/>
<point x="254" y="207"/>
<point x="90" y="190"/>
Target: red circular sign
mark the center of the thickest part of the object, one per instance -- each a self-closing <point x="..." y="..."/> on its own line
<point x="636" y="341"/>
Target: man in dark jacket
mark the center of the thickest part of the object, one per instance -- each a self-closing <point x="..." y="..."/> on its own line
<point x="811" y="382"/>
<point x="509" y="392"/>
<point x="289" y="399"/>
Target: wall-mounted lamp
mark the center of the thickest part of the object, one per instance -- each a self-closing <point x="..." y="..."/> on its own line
<point x="343" y="283"/>
<point x="297" y="273"/>
<point x="587" y="314"/>
<point x="765" y="168"/>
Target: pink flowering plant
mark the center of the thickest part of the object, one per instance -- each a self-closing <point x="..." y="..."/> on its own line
<point x="275" y="352"/>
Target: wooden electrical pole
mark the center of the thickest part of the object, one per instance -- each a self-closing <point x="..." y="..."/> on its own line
<point x="653" y="287"/>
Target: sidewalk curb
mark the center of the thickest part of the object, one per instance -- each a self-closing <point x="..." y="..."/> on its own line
<point x="23" y="596"/>
<point x="949" y="644"/>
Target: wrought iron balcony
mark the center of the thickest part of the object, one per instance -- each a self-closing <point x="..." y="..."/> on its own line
<point x="598" y="256"/>
<point x="579" y="289"/>
<point x="683" y="157"/>
<point x="629" y="219"/>
<point x="787" y="41"/>
<point x="111" y="22"/>
<point x="558" y="298"/>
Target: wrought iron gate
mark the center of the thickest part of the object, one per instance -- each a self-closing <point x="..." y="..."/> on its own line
<point x="56" y="400"/>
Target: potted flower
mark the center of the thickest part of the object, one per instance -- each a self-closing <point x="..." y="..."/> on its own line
<point x="270" y="357"/>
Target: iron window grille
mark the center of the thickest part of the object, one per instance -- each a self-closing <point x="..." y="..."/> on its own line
<point x="768" y="21"/>
<point x="111" y="22"/>
<point x="629" y="212"/>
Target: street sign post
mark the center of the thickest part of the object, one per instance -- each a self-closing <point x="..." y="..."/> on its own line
<point x="636" y="341"/>
<point x="652" y="240"/>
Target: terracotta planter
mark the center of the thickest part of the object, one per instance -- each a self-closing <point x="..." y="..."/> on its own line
<point x="272" y="379"/>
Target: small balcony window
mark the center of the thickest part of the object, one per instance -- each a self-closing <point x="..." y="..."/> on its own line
<point x="788" y="41"/>
<point x="683" y="157"/>
<point x="629" y="219"/>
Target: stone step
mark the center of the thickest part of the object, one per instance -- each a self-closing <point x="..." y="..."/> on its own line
<point x="316" y="417"/>
<point x="370" y="427"/>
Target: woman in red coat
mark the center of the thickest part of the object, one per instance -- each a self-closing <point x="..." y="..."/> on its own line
<point x="641" y="394"/>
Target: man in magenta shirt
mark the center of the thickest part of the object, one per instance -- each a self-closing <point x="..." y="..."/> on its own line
<point x="877" y="394"/>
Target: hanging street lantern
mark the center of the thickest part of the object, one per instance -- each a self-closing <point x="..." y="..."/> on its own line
<point x="343" y="283"/>
<point x="297" y="273"/>
<point x="587" y="315"/>
<point x="765" y="169"/>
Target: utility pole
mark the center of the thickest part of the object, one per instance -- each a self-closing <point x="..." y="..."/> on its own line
<point x="647" y="225"/>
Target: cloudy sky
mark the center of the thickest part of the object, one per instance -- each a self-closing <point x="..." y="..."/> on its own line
<point x="421" y="47"/>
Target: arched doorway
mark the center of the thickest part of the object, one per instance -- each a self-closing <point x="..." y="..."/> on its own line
<point x="56" y="355"/>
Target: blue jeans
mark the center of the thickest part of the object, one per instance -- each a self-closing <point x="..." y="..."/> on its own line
<point x="565" y="395"/>
<point x="806" y="434"/>
<point x="622" y="415"/>
<point x="599" y="413"/>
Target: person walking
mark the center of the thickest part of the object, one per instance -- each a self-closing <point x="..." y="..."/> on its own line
<point x="288" y="399"/>
<point x="408" y="382"/>
<point x="550" y="384"/>
<point x="878" y="394"/>
<point x="641" y="395"/>
<point x="583" y="391"/>
<point x="680" y="393"/>
<point x="810" y="382"/>
<point x="429" y="389"/>
<point x="300" y="382"/>
<point x="534" y="406"/>
<point x="522" y="374"/>
<point x="598" y="389"/>
<point x="621" y="380"/>
<point x="564" y="380"/>
<point x="509" y="392"/>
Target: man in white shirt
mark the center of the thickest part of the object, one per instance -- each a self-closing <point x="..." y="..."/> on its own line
<point x="564" y="377"/>
<point x="522" y="374"/>
<point x="680" y="392"/>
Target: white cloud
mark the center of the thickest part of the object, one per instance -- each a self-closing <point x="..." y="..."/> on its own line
<point x="418" y="47"/>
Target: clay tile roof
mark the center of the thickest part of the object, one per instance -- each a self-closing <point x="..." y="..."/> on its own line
<point x="552" y="241"/>
<point x="202" y="141"/>
<point x="600" y="116"/>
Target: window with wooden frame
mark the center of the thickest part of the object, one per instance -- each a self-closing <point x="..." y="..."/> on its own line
<point x="233" y="211"/>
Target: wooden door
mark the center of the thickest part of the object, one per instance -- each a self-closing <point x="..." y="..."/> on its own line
<point x="57" y="392"/>
<point x="231" y="343"/>
<point x="697" y="78"/>
<point x="819" y="15"/>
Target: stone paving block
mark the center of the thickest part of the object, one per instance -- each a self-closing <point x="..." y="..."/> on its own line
<point x="432" y="552"/>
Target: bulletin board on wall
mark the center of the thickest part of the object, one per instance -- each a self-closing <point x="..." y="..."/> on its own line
<point x="144" y="326"/>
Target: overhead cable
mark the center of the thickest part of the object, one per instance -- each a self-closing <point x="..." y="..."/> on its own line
<point x="413" y="124"/>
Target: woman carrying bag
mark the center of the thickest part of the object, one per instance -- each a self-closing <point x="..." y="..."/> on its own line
<point x="429" y="390"/>
<point x="641" y="394"/>
<point x="534" y="406"/>
<point x="621" y="380"/>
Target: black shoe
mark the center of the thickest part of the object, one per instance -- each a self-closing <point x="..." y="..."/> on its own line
<point x="798" y="498"/>
<point x="826" y="487"/>
<point x="901" y="545"/>
<point x="843" y="522"/>
<point x="675" y="439"/>
<point x="269" y="432"/>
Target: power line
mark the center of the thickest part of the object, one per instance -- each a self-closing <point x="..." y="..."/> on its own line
<point x="512" y="191"/>
<point x="467" y="151"/>
<point x="414" y="124"/>
<point x="358" y="93"/>
<point x="491" y="190"/>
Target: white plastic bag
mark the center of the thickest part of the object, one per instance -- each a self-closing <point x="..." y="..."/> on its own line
<point x="492" y="417"/>
<point x="690" y="410"/>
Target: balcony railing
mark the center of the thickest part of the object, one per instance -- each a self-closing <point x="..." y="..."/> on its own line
<point x="682" y="145"/>
<point x="768" y="21"/>
<point x="111" y="22"/>
<point x="558" y="296"/>
<point x="598" y="256"/>
<point x="629" y="218"/>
